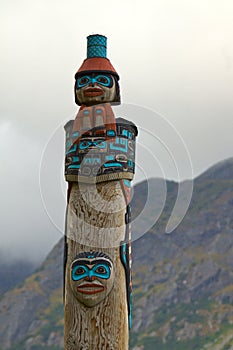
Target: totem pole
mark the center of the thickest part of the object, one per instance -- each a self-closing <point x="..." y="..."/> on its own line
<point x="99" y="165"/>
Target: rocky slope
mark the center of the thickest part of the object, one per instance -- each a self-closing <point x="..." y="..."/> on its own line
<point x="183" y="281"/>
<point x="13" y="272"/>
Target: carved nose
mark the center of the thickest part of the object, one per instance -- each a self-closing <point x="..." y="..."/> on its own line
<point x="90" y="278"/>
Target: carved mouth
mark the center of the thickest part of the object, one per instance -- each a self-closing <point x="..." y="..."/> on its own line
<point x="93" y="92"/>
<point x="90" y="288"/>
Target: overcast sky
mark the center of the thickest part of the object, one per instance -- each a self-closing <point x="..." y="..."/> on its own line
<point x="175" y="61"/>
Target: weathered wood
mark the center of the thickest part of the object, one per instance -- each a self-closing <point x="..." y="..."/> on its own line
<point x="96" y="222"/>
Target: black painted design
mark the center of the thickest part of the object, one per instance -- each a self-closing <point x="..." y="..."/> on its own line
<point x="126" y="259"/>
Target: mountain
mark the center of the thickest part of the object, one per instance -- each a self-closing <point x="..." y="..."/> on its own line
<point x="221" y="171"/>
<point x="13" y="272"/>
<point x="185" y="298"/>
<point x="33" y="310"/>
<point x="182" y="281"/>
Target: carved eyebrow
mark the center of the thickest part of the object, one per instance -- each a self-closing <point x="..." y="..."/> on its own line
<point x="88" y="262"/>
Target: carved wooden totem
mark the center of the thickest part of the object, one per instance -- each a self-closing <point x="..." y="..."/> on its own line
<point x="99" y="165"/>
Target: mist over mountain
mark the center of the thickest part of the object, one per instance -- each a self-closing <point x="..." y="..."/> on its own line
<point x="13" y="272"/>
<point x="182" y="282"/>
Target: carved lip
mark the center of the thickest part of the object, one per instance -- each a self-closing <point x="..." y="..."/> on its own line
<point x="92" y="92"/>
<point x="90" y="288"/>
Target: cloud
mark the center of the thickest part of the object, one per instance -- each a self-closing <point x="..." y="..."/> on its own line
<point x="172" y="57"/>
<point x="25" y="227"/>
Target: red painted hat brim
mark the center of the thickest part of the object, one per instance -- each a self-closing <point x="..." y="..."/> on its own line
<point x="96" y="64"/>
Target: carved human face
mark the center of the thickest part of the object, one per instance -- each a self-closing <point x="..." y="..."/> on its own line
<point x="95" y="88"/>
<point x="92" y="277"/>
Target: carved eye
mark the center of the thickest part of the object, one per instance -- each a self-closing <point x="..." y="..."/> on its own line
<point x="79" y="271"/>
<point x="99" y="143"/>
<point x="85" y="144"/>
<point x="101" y="270"/>
<point x="83" y="81"/>
<point x="102" y="79"/>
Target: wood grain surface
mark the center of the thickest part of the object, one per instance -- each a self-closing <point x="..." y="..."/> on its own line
<point x="96" y="222"/>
